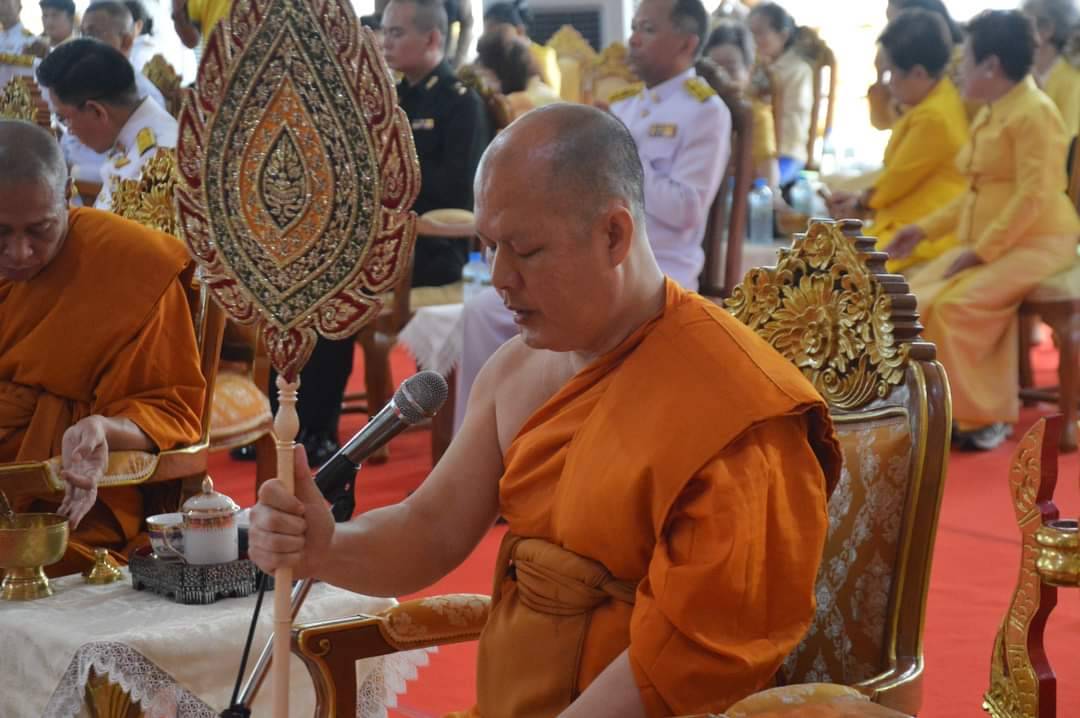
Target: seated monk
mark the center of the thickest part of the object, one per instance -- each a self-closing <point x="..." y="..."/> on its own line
<point x="662" y="470"/>
<point x="97" y="347"/>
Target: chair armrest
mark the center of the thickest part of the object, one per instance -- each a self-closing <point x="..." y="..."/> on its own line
<point x="330" y="649"/>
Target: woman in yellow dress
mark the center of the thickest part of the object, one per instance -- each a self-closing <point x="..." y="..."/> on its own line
<point x="731" y="47"/>
<point x="919" y="173"/>
<point x="1015" y="227"/>
<point x="791" y="82"/>
<point x="1055" y="21"/>
<point x="884" y="109"/>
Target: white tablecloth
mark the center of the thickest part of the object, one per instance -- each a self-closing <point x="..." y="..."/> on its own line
<point x="175" y="660"/>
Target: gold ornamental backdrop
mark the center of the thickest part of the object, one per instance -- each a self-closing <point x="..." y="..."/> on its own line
<point x="297" y="171"/>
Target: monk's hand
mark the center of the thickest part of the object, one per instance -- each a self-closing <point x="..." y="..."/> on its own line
<point x="291" y="531"/>
<point x="83" y="460"/>
<point x="967" y="260"/>
<point x="904" y="242"/>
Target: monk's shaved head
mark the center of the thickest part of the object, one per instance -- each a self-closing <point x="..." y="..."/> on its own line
<point x="29" y="153"/>
<point x="581" y="156"/>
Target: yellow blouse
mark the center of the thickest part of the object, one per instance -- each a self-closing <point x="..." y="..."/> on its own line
<point x="1063" y="87"/>
<point x="792" y="83"/>
<point x="206" y="14"/>
<point x="919" y="174"/>
<point x="764" y="137"/>
<point x="1015" y="164"/>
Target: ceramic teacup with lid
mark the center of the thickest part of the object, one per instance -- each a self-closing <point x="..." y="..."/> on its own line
<point x="210" y="527"/>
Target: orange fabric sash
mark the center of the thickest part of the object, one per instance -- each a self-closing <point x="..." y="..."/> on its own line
<point x="38" y="417"/>
<point x="542" y="601"/>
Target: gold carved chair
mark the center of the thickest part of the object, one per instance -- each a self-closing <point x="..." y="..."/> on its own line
<point x="608" y="74"/>
<point x="21" y="99"/>
<point x="575" y="55"/>
<point x="853" y="330"/>
<point x="1057" y="302"/>
<point x="1022" y="682"/>
<point x="727" y="221"/>
<point x="166" y="80"/>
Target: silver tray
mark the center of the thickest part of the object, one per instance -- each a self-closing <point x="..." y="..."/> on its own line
<point x="190" y="583"/>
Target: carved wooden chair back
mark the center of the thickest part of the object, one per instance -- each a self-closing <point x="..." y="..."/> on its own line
<point x="727" y="221"/>
<point x="574" y="55"/>
<point x="830" y="307"/>
<point x="498" y="107"/>
<point x="166" y="80"/>
<point x="608" y="74"/>
<point x="822" y="61"/>
<point x="20" y="96"/>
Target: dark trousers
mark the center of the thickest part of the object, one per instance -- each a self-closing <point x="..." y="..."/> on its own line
<point x="322" y="387"/>
<point x="438" y="261"/>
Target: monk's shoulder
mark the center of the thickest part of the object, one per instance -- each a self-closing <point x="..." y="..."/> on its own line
<point x="122" y="244"/>
<point x="713" y="345"/>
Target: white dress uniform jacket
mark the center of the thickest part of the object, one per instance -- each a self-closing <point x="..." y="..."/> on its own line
<point x="683" y="134"/>
<point x="148" y="129"/>
<point x="15" y="39"/>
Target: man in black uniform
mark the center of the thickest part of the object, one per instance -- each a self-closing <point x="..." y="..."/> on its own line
<point x="450" y="127"/>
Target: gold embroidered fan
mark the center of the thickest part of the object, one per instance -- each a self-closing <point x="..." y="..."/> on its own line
<point x="297" y="174"/>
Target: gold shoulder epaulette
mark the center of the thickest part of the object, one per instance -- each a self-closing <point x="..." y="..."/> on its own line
<point x="699" y="89"/>
<point x="145" y="141"/>
<point x="626" y="93"/>
<point x="460" y="88"/>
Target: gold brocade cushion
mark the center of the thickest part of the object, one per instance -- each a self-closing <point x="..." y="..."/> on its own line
<point x="845" y="643"/>
<point x="812" y="700"/>
<point x="1062" y="287"/>
<point x="438" y="618"/>
<point x="239" y="412"/>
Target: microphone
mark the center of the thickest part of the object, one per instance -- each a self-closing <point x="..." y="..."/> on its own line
<point x="419" y="397"/>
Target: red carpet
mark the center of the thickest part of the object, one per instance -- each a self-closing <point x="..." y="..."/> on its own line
<point x="975" y="570"/>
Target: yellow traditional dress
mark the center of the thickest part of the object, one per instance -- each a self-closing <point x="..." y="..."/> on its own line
<point x="920" y="173"/>
<point x="1062" y="84"/>
<point x="1017" y="218"/>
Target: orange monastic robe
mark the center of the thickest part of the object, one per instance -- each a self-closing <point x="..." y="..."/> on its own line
<point x="104" y="329"/>
<point x="693" y="462"/>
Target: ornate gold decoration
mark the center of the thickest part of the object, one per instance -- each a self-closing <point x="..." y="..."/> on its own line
<point x="824" y="309"/>
<point x="166" y="80"/>
<point x="1021" y="681"/>
<point x="149" y="199"/>
<point x="568" y="42"/>
<point x="297" y="173"/>
<point x="608" y="74"/>
<point x="21" y="99"/>
<point x="6" y="58"/>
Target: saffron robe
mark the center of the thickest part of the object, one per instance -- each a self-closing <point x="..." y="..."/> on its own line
<point x="692" y="462"/>
<point x="104" y="329"/>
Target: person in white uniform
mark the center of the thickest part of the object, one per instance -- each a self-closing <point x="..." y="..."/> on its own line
<point x="93" y="93"/>
<point x="14" y="38"/>
<point x="111" y="23"/>
<point x="683" y="134"/>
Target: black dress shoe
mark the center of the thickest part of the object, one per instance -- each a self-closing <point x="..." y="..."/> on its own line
<point x="320" y="449"/>
<point x="243" y="453"/>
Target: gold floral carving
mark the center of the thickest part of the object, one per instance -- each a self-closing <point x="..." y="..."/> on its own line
<point x="568" y="42"/>
<point x="1015" y="687"/>
<point x="298" y="173"/>
<point x="826" y="311"/>
<point x="20" y="99"/>
<point x="149" y="199"/>
<point x="165" y="79"/>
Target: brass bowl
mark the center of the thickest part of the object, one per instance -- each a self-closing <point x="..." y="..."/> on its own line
<point x="36" y="541"/>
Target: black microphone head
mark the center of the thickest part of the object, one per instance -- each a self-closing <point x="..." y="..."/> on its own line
<point x="420" y="396"/>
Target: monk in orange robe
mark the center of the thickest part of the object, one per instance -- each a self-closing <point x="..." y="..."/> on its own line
<point x="663" y="471"/>
<point x="97" y="346"/>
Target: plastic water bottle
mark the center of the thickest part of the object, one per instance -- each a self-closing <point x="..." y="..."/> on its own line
<point x="475" y="274"/>
<point x="802" y="195"/>
<point x="761" y="213"/>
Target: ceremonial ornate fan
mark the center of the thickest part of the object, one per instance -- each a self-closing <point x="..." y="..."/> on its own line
<point x="297" y="174"/>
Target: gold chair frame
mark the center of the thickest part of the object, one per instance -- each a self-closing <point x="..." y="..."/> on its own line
<point x="574" y="55"/>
